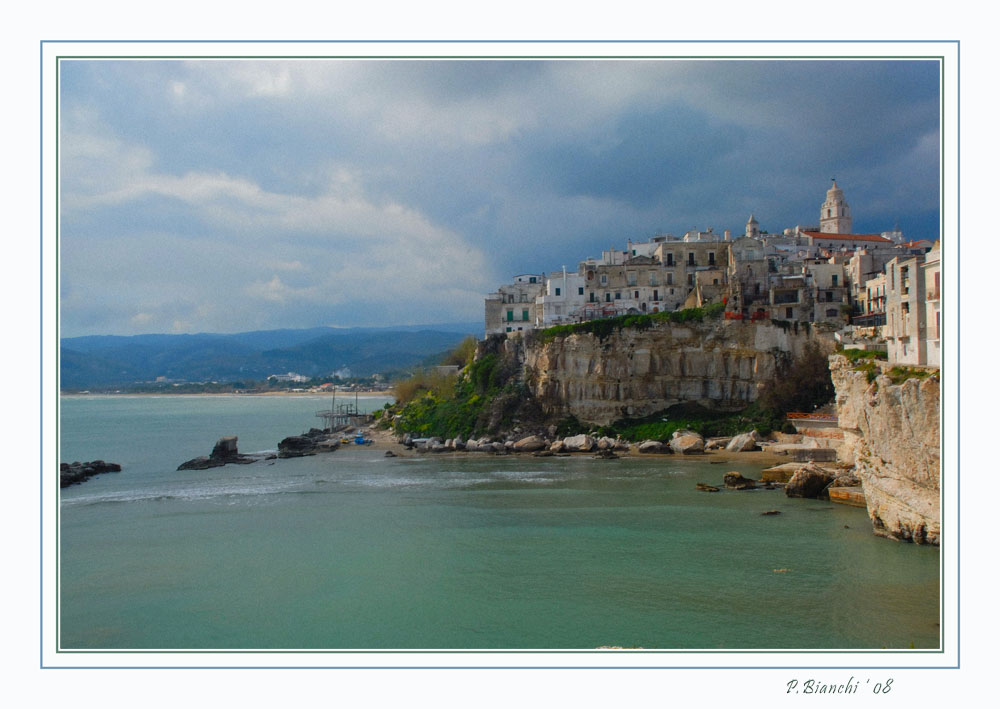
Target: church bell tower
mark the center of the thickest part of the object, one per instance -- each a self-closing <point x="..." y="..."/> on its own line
<point x="835" y="214"/>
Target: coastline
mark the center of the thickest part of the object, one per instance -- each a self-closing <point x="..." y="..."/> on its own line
<point x="383" y="440"/>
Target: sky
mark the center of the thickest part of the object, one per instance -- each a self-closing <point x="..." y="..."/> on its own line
<point x="234" y="195"/>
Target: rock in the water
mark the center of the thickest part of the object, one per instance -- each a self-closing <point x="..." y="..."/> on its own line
<point x="771" y="512"/>
<point x="736" y="481"/>
<point x="201" y="463"/>
<point x="296" y="447"/>
<point x="77" y="472"/>
<point x="809" y="481"/>
<point x="706" y="488"/>
<point x="606" y="454"/>
<point x="225" y="448"/>
<point x="687" y="443"/>
<point x="224" y="452"/>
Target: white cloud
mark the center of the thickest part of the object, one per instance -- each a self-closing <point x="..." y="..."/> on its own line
<point x="276" y="291"/>
<point x="281" y="251"/>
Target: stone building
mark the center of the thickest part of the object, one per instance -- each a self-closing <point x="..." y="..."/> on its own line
<point x="513" y="308"/>
<point x="748" y="272"/>
<point x="830" y="293"/>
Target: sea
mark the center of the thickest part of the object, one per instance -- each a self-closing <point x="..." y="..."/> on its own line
<point x="351" y="550"/>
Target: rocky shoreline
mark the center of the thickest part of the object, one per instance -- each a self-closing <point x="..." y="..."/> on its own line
<point x="77" y="472"/>
<point x="797" y="478"/>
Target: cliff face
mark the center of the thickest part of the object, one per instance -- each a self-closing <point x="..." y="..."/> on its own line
<point x="892" y="435"/>
<point x="634" y="373"/>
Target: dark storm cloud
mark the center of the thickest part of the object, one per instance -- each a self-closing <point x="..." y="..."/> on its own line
<point x="436" y="180"/>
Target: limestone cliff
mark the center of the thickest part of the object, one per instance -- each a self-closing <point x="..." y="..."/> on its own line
<point x="634" y="373"/>
<point x="892" y="436"/>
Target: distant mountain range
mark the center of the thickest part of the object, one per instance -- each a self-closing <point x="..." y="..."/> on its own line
<point x="107" y="360"/>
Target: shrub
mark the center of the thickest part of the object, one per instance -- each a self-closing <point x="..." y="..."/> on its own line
<point x="463" y="353"/>
<point x="441" y="385"/>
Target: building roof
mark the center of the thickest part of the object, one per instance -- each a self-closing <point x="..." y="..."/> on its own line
<point x="848" y="237"/>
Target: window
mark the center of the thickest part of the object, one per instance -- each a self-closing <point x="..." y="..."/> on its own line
<point x="670" y="279"/>
<point x="579" y="291"/>
<point x="510" y="316"/>
<point x="604" y="279"/>
<point x="788" y="314"/>
<point x="690" y="279"/>
<point x="711" y="258"/>
<point x="670" y="258"/>
<point x="524" y="297"/>
<point x="831" y="312"/>
<point x="637" y="295"/>
<point x="656" y="295"/>
<point x="593" y="297"/>
<point x="524" y="315"/>
<point x="834" y="280"/>
<point x="558" y="291"/>
<point x="691" y="258"/>
<point x="631" y="278"/>
<point x="532" y="280"/>
<point x="607" y="297"/>
<point x="652" y="278"/>
<point x="508" y="329"/>
<point x="618" y="296"/>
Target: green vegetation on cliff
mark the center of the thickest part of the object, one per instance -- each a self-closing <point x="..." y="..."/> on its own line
<point x="487" y="396"/>
<point x="692" y="417"/>
<point x="605" y="327"/>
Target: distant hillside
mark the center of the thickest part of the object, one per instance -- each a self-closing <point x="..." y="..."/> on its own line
<point x="98" y="361"/>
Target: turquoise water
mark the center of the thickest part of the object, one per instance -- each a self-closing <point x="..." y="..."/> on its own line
<point x="351" y="550"/>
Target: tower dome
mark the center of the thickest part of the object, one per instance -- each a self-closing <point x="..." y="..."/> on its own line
<point x="753" y="227"/>
<point x="835" y="214"/>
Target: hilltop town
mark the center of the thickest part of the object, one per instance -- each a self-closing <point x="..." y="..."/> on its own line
<point x="877" y="291"/>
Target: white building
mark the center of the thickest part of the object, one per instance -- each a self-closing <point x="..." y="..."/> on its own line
<point x="562" y="300"/>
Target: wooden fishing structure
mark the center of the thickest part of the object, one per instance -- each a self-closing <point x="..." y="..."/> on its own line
<point x="344" y="415"/>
